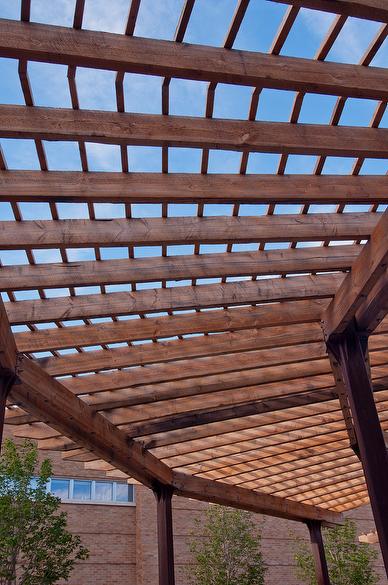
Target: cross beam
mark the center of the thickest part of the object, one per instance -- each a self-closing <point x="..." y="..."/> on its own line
<point x="50" y="401"/>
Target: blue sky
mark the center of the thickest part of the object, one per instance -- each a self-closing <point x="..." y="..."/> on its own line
<point x="208" y="25"/>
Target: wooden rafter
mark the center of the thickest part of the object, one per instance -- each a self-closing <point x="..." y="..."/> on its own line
<point x="368" y="9"/>
<point x="179" y="131"/>
<point x="190" y="187"/>
<point x="147" y="301"/>
<point x="39" y="42"/>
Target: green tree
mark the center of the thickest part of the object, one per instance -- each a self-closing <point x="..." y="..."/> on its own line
<point x="349" y="562"/>
<point x="228" y="552"/>
<point x="35" y="546"/>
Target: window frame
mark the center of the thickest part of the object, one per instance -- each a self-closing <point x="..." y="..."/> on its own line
<point x="93" y="500"/>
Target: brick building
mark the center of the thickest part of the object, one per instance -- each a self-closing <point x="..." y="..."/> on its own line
<point x="123" y="544"/>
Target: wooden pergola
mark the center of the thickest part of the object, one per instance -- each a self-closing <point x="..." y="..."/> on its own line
<point x="268" y="393"/>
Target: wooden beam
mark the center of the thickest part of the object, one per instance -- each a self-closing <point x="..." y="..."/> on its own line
<point x="190" y="187"/>
<point x="261" y="403"/>
<point x="8" y="351"/>
<point x="181" y="421"/>
<point x="104" y="127"/>
<point x="8" y="359"/>
<point x="49" y="400"/>
<point x="368" y="9"/>
<point x="164" y="299"/>
<point x="204" y="490"/>
<point x="163" y="495"/>
<point x="374" y="307"/>
<point x="242" y="318"/>
<point x="78" y="233"/>
<point x="350" y="351"/>
<point x="321" y="570"/>
<point x="214" y="363"/>
<point x="40" y="42"/>
<point x="260" y="263"/>
<point x="367" y="270"/>
<point x="246" y="347"/>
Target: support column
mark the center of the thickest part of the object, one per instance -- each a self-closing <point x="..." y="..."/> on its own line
<point x="163" y="496"/>
<point x="318" y="549"/>
<point x="7" y="379"/>
<point x="350" y="350"/>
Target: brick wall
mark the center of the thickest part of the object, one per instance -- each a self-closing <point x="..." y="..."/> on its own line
<point x="277" y="536"/>
<point x="123" y="546"/>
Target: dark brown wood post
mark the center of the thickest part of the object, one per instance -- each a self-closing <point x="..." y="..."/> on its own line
<point x="350" y="350"/>
<point x="7" y="379"/>
<point x="318" y="549"/>
<point x="163" y="496"/>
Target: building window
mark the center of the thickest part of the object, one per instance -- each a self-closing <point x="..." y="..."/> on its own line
<point x="82" y="490"/>
<point x="60" y="488"/>
<point x="96" y="491"/>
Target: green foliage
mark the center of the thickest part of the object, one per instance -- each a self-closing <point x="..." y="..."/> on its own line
<point x="349" y="562"/>
<point x="228" y="551"/>
<point x="35" y="546"/>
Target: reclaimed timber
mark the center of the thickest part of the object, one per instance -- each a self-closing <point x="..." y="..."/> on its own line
<point x="188" y="297"/>
<point x="79" y="233"/>
<point x="99" y="187"/>
<point x="242" y="318"/>
<point x="220" y="493"/>
<point x="260" y="263"/>
<point x="369" y="267"/>
<point x="368" y="9"/>
<point x="104" y="127"/>
<point x="40" y="42"/>
<point x="48" y="399"/>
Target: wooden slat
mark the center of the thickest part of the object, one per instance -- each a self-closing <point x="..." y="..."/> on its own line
<point x="48" y="399"/>
<point x="176" y="377"/>
<point x="242" y="318"/>
<point x="164" y="299"/>
<point x="368" y="9"/>
<point x="67" y="46"/>
<point x="177" y="439"/>
<point x="242" y="345"/>
<point x="158" y="130"/>
<point x="249" y="401"/>
<point x="260" y="263"/>
<point x="190" y="187"/>
<point x="77" y="233"/>
<point x="237" y="430"/>
<point x="221" y="493"/>
<point x="369" y="267"/>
